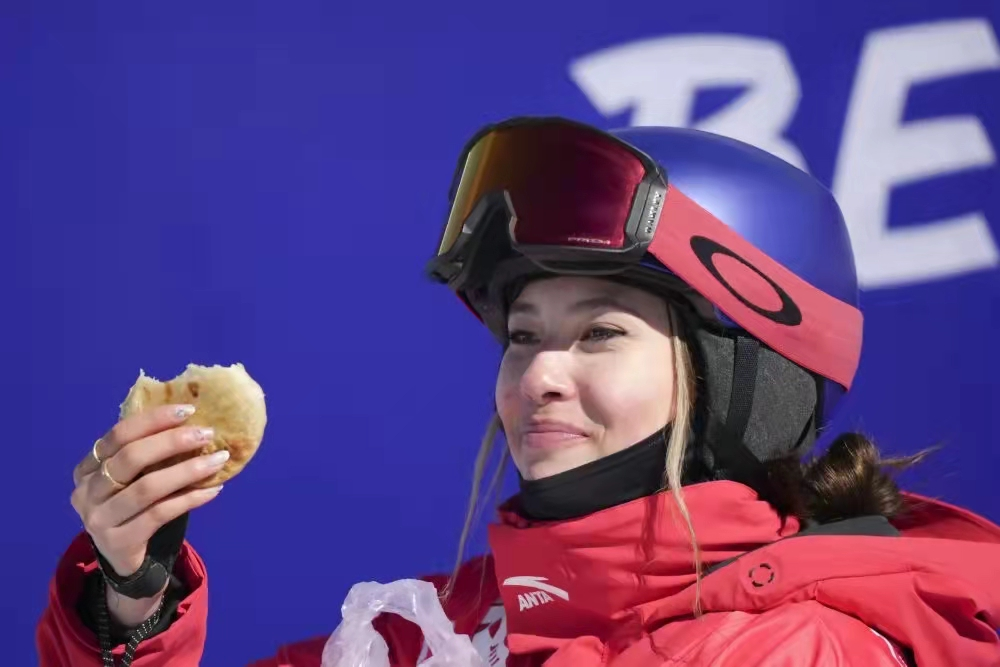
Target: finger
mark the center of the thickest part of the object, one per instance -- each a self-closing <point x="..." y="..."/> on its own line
<point x="78" y="500"/>
<point x="144" y="525"/>
<point x="131" y="428"/>
<point x="131" y="460"/>
<point x="102" y="485"/>
<point x="88" y="464"/>
<point x="135" y="457"/>
<point x="157" y="485"/>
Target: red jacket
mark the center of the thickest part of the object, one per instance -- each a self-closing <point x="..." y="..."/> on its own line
<point x="618" y="587"/>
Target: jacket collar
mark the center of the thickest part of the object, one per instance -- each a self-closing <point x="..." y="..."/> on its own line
<point x="619" y="574"/>
<point x="583" y="576"/>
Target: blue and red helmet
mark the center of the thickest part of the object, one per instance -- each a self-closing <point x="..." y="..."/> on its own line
<point x="758" y="247"/>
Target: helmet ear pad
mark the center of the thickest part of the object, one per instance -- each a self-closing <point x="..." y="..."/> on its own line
<point x="780" y="402"/>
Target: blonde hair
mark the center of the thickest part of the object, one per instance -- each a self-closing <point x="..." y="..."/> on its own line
<point x="684" y="398"/>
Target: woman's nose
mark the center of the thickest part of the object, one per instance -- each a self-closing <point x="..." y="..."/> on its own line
<point x="547" y="378"/>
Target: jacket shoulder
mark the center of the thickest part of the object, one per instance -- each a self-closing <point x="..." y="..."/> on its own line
<point x="804" y="633"/>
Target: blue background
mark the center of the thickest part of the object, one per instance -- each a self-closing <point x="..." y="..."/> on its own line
<point x="227" y="181"/>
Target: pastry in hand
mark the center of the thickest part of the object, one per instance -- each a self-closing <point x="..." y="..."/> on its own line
<point x="226" y="399"/>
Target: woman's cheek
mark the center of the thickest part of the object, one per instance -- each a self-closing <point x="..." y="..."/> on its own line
<point x="634" y="398"/>
<point x="506" y="390"/>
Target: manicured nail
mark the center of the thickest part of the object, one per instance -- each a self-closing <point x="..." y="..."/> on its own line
<point x="212" y="490"/>
<point x="204" y="435"/>
<point x="184" y="411"/>
<point x="216" y="459"/>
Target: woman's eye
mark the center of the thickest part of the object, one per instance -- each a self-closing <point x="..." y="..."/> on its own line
<point x="593" y="334"/>
<point x="602" y="333"/>
<point x="519" y="337"/>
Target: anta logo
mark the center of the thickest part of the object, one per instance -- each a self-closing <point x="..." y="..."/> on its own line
<point x="542" y="593"/>
<point x="529" y="600"/>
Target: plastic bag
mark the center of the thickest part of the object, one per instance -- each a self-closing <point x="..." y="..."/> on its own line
<point x="356" y="643"/>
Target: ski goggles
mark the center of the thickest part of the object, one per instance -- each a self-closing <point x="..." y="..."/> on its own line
<point x="571" y="199"/>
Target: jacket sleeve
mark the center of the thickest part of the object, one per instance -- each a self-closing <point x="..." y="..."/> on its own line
<point x="809" y="635"/>
<point x="63" y="640"/>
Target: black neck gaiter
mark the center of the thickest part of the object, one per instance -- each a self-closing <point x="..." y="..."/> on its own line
<point x="632" y="473"/>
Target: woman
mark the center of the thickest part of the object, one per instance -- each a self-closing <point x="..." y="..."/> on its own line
<point x="678" y="317"/>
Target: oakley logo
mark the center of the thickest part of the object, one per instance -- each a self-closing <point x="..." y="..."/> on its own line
<point x="541" y="595"/>
<point x="653" y="214"/>
<point x="587" y="240"/>
<point x="706" y="250"/>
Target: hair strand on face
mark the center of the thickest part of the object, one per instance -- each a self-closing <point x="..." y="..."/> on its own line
<point x="684" y="397"/>
<point x="475" y="508"/>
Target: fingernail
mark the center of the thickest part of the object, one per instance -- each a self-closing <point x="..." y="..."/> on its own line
<point x="212" y="490"/>
<point x="216" y="459"/>
<point x="204" y="435"/>
<point x="184" y="411"/>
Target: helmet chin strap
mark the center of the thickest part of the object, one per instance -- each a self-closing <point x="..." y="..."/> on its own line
<point x="729" y="448"/>
<point x="754" y="406"/>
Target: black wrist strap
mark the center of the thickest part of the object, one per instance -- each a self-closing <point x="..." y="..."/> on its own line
<point x="152" y="576"/>
<point x="150" y="579"/>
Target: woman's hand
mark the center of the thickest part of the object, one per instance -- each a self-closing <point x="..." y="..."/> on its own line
<point x="121" y="510"/>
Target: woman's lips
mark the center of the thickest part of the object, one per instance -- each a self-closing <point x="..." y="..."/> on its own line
<point x="550" y="434"/>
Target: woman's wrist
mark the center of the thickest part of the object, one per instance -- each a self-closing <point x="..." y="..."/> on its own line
<point x="131" y="612"/>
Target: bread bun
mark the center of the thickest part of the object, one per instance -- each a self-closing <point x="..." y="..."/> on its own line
<point x="227" y="399"/>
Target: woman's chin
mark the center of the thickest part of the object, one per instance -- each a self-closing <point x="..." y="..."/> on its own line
<point x="554" y="463"/>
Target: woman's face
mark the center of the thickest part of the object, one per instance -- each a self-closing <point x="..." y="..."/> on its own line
<point x="589" y="371"/>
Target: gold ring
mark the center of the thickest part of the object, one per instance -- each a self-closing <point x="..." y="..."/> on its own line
<point x="107" y="475"/>
<point x="94" y="451"/>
